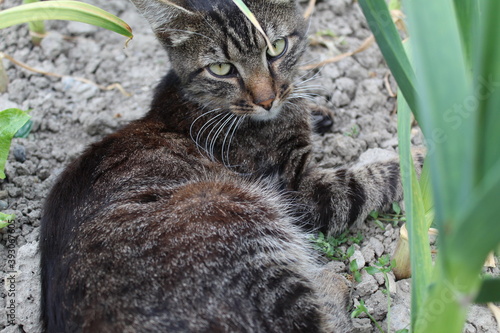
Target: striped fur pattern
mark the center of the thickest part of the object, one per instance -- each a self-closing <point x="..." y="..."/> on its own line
<point x="195" y="218"/>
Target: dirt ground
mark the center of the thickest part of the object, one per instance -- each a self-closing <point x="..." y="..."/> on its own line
<point x="68" y="115"/>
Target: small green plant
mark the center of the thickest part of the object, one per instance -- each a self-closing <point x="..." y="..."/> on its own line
<point x="353" y="132"/>
<point x="11" y="121"/>
<point x="384" y="265"/>
<point x="5" y="219"/>
<point x="354" y="268"/>
<point x="393" y="218"/>
<point x="326" y="32"/>
<point x="361" y="308"/>
<point x="330" y="246"/>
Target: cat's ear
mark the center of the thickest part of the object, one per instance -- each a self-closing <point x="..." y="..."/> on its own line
<point x="164" y="17"/>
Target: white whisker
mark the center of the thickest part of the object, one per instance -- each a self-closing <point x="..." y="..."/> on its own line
<point x="223" y="122"/>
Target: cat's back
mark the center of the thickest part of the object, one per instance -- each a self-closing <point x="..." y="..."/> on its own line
<point x="142" y="234"/>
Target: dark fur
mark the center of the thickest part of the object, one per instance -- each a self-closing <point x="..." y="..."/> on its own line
<point x="147" y="232"/>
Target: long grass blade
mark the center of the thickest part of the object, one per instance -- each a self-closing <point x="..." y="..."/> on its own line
<point x="444" y="86"/>
<point x="480" y="228"/>
<point x="380" y="22"/>
<point x="487" y="88"/>
<point x="417" y="225"/>
<point x="63" y="10"/>
<point x="241" y="5"/>
<point x="489" y="291"/>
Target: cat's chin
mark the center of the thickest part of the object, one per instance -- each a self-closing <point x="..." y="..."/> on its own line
<point x="264" y="115"/>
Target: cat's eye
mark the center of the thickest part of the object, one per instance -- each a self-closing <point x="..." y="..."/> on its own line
<point x="221" y="69"/>
<point x="279" y="46"/>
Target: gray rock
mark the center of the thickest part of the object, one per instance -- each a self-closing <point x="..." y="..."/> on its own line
<point x="362" y="325"/>
<point x="378" y="247"/>
<point x="3" y="205"/>
<point x="368" y="252"/>
<point x="19" y="152"/>
<point x="54" y="44"/>
<point x="27" y="292"/>
<point x="377" y="305"/>
<point x="360" y="260"/>
<point x="483" y="319"/>
<point x="367" y="286"/>
<point x="400" y="317"/>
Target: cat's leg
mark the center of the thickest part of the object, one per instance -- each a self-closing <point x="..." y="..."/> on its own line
<point x="333" y="200"/>
<point x="334" y="298"/>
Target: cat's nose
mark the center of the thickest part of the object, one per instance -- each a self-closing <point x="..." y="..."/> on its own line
<point x="267" y="104"/>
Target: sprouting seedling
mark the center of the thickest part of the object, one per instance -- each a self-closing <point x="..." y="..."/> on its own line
<point x="361" y="308"/>
<point x="384" y="265"/>
<point x="5" y="220"/>
<point x="245" y="10"/>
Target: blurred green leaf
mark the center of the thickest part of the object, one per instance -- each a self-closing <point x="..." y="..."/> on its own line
<point x="420" y="254"/>
<point x="63" y="10"/>
<point x="11" y="120"/>
<point x="489" y="291"/>
<point x="372" y="270"/>
<point x="25" y="130"/>
<point x="5" y="219"/>
<point x="37" y="28"/>
<point x="487" y="88"/>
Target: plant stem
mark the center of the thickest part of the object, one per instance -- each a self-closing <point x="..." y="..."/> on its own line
<point x="4" y="79"/>
<point x="386" y="278"/>
<point x="375" y="322"/>
<point x="37" y="28"/>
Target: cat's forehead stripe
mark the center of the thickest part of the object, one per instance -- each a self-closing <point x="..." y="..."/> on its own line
<point x="239" y="33"/>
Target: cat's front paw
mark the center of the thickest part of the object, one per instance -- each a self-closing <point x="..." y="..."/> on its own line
<point x="418" y="154"/>
<point x="322" y="118"/>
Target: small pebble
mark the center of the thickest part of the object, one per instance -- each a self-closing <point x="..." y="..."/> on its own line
<point x="3" y="205"/>
<point x="19" y="153"/>
<point x="360" y="260"/>
<point x="378" y="247"/>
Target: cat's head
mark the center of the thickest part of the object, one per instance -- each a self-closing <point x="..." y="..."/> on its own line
<point x="222" y="59"/>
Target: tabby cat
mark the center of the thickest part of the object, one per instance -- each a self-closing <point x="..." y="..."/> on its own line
<point x="195" y="218"/>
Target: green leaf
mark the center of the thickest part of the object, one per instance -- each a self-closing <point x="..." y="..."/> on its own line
<point x="5" y="219"/>
<point x="63" y="10"/>
<point x="25" y="130"/>
<point x="421" y="266"/>
<point x="353" y="266"/>
<point x="350" y="251"/>
<point x="372" y="270"/>
<point x="480" y="228"/>
<point x="11" y="120"/>
<point x="489" y="291"/>
<point x="487" y="87"/>
<point x="387" y="37"/>
<point x="444" y="86"/>
<point x="396" y="208"/>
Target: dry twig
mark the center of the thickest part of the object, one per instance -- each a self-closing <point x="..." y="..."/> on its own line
<point x="31" y="69"/>
<point x="310" y="8"/>
<point x="366" y="44"/>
